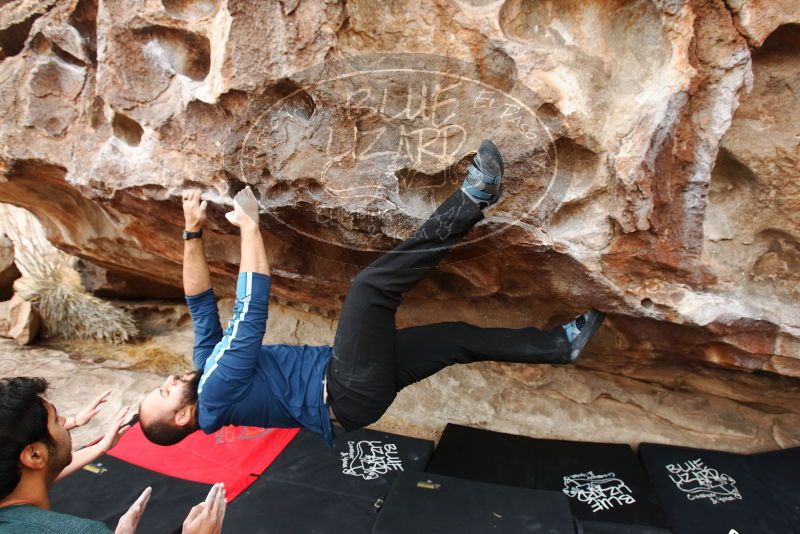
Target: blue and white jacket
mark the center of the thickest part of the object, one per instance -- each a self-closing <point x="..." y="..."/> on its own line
<point x="250" y="384"/>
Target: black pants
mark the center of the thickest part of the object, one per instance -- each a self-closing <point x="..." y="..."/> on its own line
<point x="372" y="360"/>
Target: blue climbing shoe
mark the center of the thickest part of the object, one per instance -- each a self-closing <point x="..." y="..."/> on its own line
<point x="580" y="330"/>
<point x="484" y="182"/>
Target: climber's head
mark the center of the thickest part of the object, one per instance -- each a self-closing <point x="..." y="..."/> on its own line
<point x="169" y="413"/>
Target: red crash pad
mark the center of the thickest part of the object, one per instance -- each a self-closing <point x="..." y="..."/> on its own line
<point x="235" y="455"/>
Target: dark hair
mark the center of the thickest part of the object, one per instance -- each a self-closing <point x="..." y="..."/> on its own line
<point x="166" y="433"/>
<point x="23" y="420"/>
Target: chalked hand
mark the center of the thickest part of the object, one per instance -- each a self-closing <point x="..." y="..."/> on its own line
<point x="245" y="210"/>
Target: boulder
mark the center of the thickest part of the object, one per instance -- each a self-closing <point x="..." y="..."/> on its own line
<point x="633" y="182"/>
<point x="8" y="269"/>
<point x="19" y="320"/>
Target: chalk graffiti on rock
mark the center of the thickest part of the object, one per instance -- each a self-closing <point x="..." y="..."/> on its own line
<point x="391" y="135"/>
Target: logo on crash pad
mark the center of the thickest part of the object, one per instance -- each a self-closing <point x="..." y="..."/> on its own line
<point x="600" y="492"/>
<point x="698" y="481"/>
<point x="231" y="433"/>
<point x="96" y="469"/>
<point x="370" y="459"/>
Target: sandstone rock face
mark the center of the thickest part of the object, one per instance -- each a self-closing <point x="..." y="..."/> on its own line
<point x="8" y="269"/>
<point x="105" y="283"/>
<point x="73" y="384"/>
<point x="19" y="320"/>
<point x="650" y="146"/>
<point x="752" y="228"/>
<point x="756" y="19"/>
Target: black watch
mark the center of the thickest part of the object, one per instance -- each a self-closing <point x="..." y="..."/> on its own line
<point x="187" y="235"/>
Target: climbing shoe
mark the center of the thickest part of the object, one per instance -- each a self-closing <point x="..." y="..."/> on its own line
<point x="483" y="184"/>
<point x="580" y="329"/>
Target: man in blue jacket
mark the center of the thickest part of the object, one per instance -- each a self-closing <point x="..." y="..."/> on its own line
<point x="239" y="381"/>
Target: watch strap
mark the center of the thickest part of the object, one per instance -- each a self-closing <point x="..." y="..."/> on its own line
<point x="192" y="235"/>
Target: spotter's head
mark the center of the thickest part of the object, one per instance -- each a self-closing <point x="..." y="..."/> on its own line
<point x="35" y="443"/>
<point x="168" y="413"/>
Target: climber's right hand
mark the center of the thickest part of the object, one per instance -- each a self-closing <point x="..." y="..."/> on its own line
<point x="245" y="213"/>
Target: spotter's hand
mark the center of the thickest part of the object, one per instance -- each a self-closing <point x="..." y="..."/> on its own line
<point x="115" y="430"/>
<point x="130" y="519"/>
<point x="88" y="412"/>
<point x="207" y="517"/>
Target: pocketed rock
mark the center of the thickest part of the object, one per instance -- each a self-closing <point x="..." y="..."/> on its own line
<point x="650" y="147"/>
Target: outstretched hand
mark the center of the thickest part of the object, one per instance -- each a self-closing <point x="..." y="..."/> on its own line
<point x="89" y="411"/>
<point x="130" y="520"/>
<point x="206" y="517"/>
<point x="115" y="430"/>
<point x="194" y="211"/>
<point x="245" y="209"/>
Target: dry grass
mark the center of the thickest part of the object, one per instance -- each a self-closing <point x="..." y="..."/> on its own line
<point x="55" y="289"/>
<point x="147" y="356"/>
<point x="74" y="314"/>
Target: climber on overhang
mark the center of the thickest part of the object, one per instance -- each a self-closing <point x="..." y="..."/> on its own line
<point x="239" y="381"/>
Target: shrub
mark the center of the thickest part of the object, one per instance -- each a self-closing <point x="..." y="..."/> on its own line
<point x="54" y="287"/>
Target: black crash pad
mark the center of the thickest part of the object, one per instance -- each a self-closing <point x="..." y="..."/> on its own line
<point x="313" y="489"/>
<point x="779" y="474"/>
<point x="713" y="492"/>
<point x="606" y="485"/>
<point x="106" y="488"/>
<point x="436" y="504"/>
